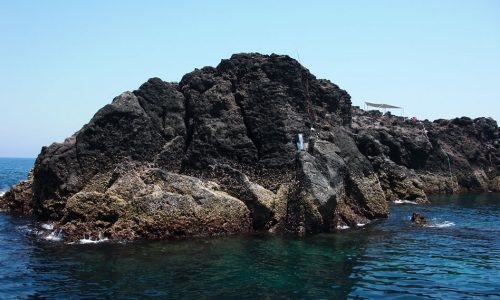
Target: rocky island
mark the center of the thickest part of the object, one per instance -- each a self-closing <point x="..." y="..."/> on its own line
<point x="221" y="152"/>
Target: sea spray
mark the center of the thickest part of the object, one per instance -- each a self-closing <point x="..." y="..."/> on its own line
<point x="434" y="223"/>
<point x="101" y="238"/>
<point x="47" y="226"/>
<point x="55" y="236"/>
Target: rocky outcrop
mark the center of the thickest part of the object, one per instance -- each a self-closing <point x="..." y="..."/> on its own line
<point x="134" y="201"/>
<point x="213" y="154"/>
<point x="18" y="199"/>
<point x="336" y="187"/>
<point x="217" y="154"/>
<point x="414" y="158"/>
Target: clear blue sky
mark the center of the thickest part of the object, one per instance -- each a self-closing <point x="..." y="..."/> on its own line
<point x="60" y="61"/>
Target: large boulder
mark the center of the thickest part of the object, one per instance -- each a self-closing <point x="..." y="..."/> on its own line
<point x="136" y="201"/>
<point x="336" y="187"/>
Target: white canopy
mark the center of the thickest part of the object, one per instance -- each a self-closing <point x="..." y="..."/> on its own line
<point x="381" y="105"/>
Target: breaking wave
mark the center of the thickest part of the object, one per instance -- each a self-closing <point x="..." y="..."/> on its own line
<point x="47" y="226"/>
<point x="435" y="224"/>
<point x="404" y="202"/>
<point x="56" y="236"/>
<point x="90" y="241"/>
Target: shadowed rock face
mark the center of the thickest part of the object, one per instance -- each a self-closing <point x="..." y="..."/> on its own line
<point x="216" y="154"/>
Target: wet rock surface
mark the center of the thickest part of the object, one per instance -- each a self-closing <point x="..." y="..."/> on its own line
<point x="216" y="154"/>
<point x="418" y="219"/>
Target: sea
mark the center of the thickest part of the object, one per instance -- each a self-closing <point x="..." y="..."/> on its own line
<point x="456" y="256"/>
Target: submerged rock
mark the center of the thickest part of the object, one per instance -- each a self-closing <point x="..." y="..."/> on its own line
<point x="418" y="219"/>
<point x="216" y="154"/>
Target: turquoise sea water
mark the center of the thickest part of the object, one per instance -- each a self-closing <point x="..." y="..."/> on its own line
<point x="456" y="257"/>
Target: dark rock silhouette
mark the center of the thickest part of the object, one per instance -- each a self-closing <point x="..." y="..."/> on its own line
<point x="216" y="154"/>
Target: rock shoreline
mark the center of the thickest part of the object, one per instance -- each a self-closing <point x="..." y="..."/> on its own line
<point x="216" y="154"/>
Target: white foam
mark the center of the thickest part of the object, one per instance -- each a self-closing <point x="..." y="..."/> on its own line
<point x="47" y="226"/>
<point x="55" y="236"/>
<point x="404" y="202"/>
<point x="89" y="240"/>
<point x="360" y="224"/>
<point x="342" y="227"/>
<point x="2" y="193"/>
<point x="440" y="225"/>
<point x="25" y="229"/>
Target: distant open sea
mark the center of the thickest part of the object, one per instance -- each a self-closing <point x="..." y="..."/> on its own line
<point x="12" y="170"/>
<point x="457" y="256"/>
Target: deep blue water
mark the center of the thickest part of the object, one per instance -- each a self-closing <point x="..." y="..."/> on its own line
<point x="456" y="257"/>
<point x="12" y="170"/>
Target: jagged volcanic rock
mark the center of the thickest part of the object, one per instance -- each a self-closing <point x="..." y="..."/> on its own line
<point x="413" y="158"/>
<point x="216" y="154"/>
